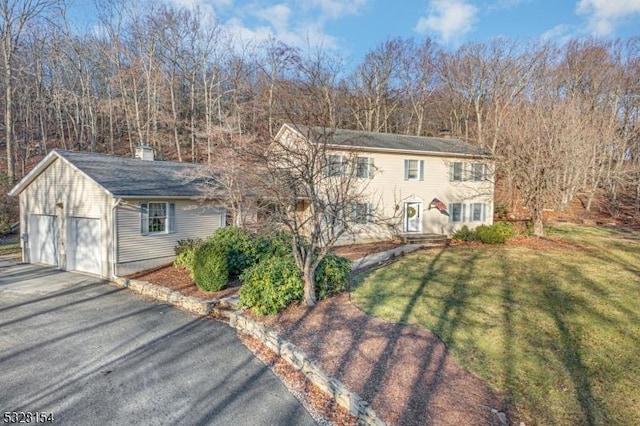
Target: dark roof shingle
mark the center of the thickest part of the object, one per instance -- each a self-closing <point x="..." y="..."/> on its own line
<point x="396" y="142"/>
<point x="131" y="177"/>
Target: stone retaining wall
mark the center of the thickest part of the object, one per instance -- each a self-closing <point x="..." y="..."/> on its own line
<point x="287" y="350"/>
<point x="166" y="295"/>
<point x="300" y="361"/>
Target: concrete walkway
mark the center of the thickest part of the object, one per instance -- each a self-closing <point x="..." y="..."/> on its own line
<point x="377" y="258"/>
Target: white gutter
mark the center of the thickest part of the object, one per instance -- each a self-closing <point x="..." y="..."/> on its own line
<point x="114" y="234"/>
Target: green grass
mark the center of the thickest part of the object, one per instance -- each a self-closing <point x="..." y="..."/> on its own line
<point x="556" y="331"/>
<point x="10" y="247"/>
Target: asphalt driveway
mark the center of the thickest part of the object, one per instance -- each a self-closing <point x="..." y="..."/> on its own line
<point x="91" y="353"/>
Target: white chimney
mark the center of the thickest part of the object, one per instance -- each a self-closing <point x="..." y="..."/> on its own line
<point x="144" y="152"/>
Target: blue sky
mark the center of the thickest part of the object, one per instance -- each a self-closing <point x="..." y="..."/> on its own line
<point x="353" y="27"/>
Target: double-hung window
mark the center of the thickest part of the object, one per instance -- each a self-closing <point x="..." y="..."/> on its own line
<point x="413" y="169"/>
<point x="457" y="172"/>
<point x="456" y="212"/>
<point x="364" y="167"/>
<point x="477" y="213"/>
<point x="157" y="218"/>
<point x="334" y="165"/>
<point x="471" y="212"/>
<point x="478" y="172"/>
<point x="361" y="213"/>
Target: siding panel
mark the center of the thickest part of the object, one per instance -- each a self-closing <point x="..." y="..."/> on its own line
<point x="192" y="220"/>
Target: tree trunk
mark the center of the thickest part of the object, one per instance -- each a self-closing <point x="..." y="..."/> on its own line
<point x="8" y="120"/>
<point x="538" y="227"/>
<point x="309" y="286"/>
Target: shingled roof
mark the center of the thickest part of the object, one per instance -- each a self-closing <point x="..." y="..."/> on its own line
<point x="127" y="177"/>
<point x="392" y="142"/>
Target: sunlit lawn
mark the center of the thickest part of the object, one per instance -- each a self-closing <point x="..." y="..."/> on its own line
<point x="9" y="248"/>
<point x="557" y="331"/>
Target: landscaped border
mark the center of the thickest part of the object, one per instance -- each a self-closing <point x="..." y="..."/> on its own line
<point x="299" y="360"/>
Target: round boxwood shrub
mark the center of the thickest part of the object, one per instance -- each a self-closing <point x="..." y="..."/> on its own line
<point x="240" y="246"/>
<point x="465" y="234"/>
<point x="332" y="275"/>
<point x="271" y="285"/>
<point x="210" y="271"/>
<point x="497" y="233"/>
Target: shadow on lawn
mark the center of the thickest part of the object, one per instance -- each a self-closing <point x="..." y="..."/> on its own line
<point x="563" y="308"/>
<point x="429" y="387"/>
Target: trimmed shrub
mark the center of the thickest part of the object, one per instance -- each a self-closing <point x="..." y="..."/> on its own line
<point x="186" y="251"/>
<point x="332" y="275"/>
<point x="271" y="285"/>
<point x="465" y="234"/>
<point x="210" y="271"/>
<point x="186" y="260"/>
<point x="497" y="233"/>
<point x="188" y="244"/>
<point x="240" y="246"/>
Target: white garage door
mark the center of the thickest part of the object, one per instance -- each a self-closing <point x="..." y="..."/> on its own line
<point x="85" y="246"/>
<point x="43" y="239"/>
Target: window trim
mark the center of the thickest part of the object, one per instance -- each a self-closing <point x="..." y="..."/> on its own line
<point x="361" y="213"/>
<point x="169" y="219"/>
<point x="334" y="165"/>
<point x="462" y="211"/>
<point x="483" y="209"/>
<point x="473" y="174"/>
<point x="452" y="176"/>
<point x="368" y="169"/>
<point x="419" y="170"/>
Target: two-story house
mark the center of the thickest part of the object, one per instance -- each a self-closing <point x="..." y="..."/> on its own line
<point x="412" y="184"/>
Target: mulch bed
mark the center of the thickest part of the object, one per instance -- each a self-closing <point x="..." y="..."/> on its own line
<point x="406" y="373"/>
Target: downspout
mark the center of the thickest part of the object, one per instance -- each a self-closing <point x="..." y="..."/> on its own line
<point x="114" y="234"/>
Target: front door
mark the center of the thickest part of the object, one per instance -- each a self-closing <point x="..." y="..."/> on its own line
<point x="413" y="217"/>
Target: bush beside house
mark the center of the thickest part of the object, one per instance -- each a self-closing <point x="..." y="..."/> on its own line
<point x="497" y="233"/>
<point x="265" y="265"/>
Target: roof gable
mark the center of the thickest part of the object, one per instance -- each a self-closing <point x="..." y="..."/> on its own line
<point x="126" y="177"/>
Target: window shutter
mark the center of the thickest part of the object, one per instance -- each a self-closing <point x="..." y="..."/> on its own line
<point x="421" y="169"/>
<point x="370" y="213"/>
<point x="371" y="168"/>
<point x="172" y="217"/>
<point x="406" y="169"/>
<point x="484" y="212"/>
<point x="451" y="171"/>
<point x="144" y="218"/>
<point x="462" y="212"/>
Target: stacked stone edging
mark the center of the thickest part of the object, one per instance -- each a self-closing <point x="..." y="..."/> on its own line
<point x="351" y="401"/>
<point x="193" y="305"/>
<point x="299" y="360"/>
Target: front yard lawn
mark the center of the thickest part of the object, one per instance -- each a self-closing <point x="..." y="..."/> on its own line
<point x="9" y="244"/>
<point x="557" y="331"/>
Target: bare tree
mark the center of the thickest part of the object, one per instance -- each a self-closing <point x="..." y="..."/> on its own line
<point x="15" y="15"/>
<point x="315" y="193"/>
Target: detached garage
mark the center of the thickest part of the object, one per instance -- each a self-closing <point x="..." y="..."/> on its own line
<point x="109" y="216"/>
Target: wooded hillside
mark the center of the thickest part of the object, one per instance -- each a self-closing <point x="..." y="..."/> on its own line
<point x="562" y="120"/>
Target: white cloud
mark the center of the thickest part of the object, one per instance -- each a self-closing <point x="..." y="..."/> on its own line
<point x="297" y="23"/>
<point x="334" y="9"/>
<point x="605" y="15"/>
<point x="560" y="33"/>
<point x="450" y="19"/>
<point x="276" y="15"/>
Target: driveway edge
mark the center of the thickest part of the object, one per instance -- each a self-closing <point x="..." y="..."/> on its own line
<point x="295" y="357"/>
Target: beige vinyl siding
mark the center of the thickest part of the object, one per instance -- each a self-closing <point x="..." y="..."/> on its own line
<point x="193" y="220"/>
<point x="62" y="191"/>
<point x="388" y="191"/>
